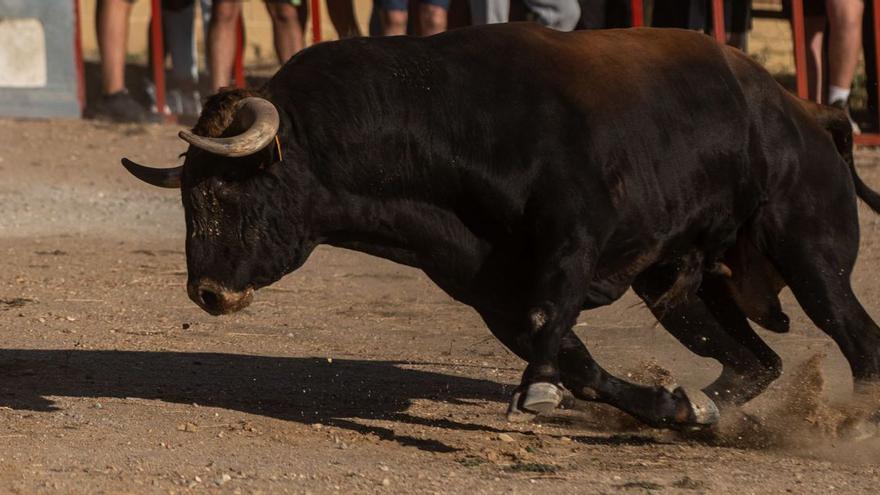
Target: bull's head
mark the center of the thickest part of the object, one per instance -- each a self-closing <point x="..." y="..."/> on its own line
<point x="241" y="232"/>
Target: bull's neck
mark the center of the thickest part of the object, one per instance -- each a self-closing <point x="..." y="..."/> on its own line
<point x="408" y="231"/>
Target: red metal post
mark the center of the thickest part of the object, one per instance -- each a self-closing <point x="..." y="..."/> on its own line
<point x="78" y="57"/>
<point x="867" y="139"/>
<point x="876" y="21"/>
<point x="238" y="65"/>
<point x="158" y="59"/>
<point x="316" y="21"/>
<point x="718" y="21"/>
<point x="800" y="46"/>
<point x="638" y="13"/>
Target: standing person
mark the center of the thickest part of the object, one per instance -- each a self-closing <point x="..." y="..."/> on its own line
<point x="179" y="40"/>
<point x="115" y="103"/>
<point x="841" y="22"/>
<point x="696" y="14"/>
<point x="343" y="17"/>
<point x="288" y="27"/>
<point x="562" y="15"/>
<point x="394" y="14"/>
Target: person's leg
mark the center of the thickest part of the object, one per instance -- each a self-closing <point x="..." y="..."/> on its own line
<point x="557" y="14"/>
<point x="180" y="42"/>
<point x="433" y="16"/>
<point x="489" y="11"/>
<point x="111" y="23"/>
<point x="343" y="17"/>
<point x="814" y="37"/>
<point x="670" y="13"/>
<point x="179" y="25"/>
<point x="393" y="15"/>
<point x="287" y="28"/>
<point x="814" y="28"/>
<point x="844" y="40"/>
<point x="112" y="30"/>
<point x="221" y="36"/>
<point x="738" y="20"/>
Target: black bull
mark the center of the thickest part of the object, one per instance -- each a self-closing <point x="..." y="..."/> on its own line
<point x="533" y="174"/>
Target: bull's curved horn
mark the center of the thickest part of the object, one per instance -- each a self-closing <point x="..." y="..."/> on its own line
<point x="257" y="116"/>
<point x="162" y="177"/>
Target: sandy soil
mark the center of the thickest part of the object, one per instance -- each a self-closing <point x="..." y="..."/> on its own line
<point x="353" y="375"/>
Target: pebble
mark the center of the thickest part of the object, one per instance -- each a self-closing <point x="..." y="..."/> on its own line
<point x="504" y="437"/>
<point x="386" y="482"/>
<point x="223" y="478"/>
<point x="188" y="427"/>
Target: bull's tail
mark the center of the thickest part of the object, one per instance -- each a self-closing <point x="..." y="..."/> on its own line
<point x="836" y="122"/>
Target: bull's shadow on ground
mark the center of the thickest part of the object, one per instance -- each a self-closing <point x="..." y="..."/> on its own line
<point x="306" y="390"/>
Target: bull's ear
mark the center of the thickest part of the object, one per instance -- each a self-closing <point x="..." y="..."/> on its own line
<point x="161" y="177"/>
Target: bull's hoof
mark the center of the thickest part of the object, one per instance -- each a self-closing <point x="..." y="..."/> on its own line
<point x="538" y="398"/>
<point x="515" y="414"/>
<point x="542" y="398"/>
<point x="696" y="410"/>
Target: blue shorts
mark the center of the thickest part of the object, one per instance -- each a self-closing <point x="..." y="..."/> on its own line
<point x="404" y="4"/>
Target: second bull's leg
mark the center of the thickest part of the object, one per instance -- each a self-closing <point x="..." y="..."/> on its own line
<point x="711" y="325"/>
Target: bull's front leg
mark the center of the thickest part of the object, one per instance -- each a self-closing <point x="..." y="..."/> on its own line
<point x="663" y="407"/>
<point x="556" y="301"/>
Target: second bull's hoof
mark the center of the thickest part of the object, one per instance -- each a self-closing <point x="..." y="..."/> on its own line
<point x="695" y="409"/>
<point x="537" y="398"/>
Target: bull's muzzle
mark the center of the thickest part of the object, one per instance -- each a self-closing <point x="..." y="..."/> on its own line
<point x="217" y="299"/>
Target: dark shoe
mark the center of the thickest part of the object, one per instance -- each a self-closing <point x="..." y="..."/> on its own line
<point x="185" y="103"/>
<point x="841" y="104"/>
<point x="120" y="107"/>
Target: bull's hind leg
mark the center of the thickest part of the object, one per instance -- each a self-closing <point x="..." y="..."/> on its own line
<point x="711" y="325"/>
<point x="818" y="274"/>
<point x="655" y="405"/>
<point x="815" y="255"/>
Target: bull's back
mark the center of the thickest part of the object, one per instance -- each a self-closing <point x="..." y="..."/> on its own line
<point x="647" y="124"/>
<point x="655" y="118"/>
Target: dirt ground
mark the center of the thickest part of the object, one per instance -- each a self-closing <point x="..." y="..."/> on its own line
<point x="352" y="375"/>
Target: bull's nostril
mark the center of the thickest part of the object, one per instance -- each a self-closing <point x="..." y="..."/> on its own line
<point x="209" y="299"/>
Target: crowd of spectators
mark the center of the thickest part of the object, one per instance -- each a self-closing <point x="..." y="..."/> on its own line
<point x="833" y="33"/>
